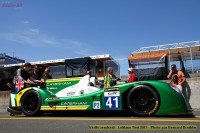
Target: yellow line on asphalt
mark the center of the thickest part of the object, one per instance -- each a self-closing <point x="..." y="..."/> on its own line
<point x="104" y="119"/>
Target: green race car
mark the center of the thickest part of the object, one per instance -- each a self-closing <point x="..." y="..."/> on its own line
<point x="142" y="98"/>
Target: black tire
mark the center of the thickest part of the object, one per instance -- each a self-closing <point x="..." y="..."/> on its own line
<point x="143" y="101"/>
<point x="31" y="103"/>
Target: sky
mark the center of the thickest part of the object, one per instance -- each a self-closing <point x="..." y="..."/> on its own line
<point x="37" y="30"/>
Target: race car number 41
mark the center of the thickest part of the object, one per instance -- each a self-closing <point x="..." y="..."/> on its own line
<point x="112" y="100"/>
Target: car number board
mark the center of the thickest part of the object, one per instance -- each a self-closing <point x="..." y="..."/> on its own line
<point x="112" y="100"/>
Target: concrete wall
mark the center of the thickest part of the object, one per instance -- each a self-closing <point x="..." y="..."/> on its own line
<point x="194" y="98"/>
<point x="4" y="99"/>
<point x="191" y="92"/>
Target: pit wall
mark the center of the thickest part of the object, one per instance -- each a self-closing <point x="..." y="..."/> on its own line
<point x="193" y="90"/>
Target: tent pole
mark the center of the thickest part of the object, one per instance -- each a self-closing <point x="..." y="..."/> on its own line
<point x="191" y="59"/>
<point x="169" y="60"/>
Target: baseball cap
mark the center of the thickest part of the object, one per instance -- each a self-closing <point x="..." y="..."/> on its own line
<point x="130" y="69"/>
<point x="173" y="65"/>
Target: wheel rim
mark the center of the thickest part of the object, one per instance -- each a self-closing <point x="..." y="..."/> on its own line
<point x="142" y="101"/>
<point x="31" y="103"/>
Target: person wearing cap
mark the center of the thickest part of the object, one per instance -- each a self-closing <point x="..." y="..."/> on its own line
<point x="132" y="76"/>
<point x="177" y="78"/>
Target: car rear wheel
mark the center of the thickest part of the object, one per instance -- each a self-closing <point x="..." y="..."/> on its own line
<point x="31" y="103"/>
<point x="143" y="101"/>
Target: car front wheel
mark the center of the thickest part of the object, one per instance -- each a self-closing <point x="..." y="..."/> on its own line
<point x="31" y="103"/>
<point x="143" y="101"/>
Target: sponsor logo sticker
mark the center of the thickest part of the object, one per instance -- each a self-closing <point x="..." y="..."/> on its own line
<point x="111" y="93"/>
<point x="70" y="93"/>
<point x="96" y="105"/>
<point x="73" y="103"/>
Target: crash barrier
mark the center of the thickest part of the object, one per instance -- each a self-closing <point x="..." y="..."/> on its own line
<point x="4" y="99"/>
<point x="191" y="91"/>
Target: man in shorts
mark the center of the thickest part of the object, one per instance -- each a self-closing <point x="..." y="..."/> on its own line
<point x="177" y="78"/>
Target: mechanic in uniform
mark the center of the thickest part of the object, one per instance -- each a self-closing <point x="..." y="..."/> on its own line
<point x="110" y="79"/>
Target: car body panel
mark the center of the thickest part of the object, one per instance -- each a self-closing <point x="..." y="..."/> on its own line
<point x="171" y="102"/>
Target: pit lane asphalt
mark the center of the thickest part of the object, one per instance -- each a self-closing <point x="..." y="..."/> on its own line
<point x="83" y="123"/>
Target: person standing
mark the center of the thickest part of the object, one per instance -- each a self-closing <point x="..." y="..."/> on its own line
<point x="46" y="74"/>
<point x="22" y="80"/>
<point x="132" y="76"/>
<point x="22" y="74"/>
<point x="177" y="82"/>
<point x="177" y="78"/>
<point x="110" y="79"/>
<point x="36" y="74"/>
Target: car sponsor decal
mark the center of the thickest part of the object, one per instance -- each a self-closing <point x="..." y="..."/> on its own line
<point x="112" y="100"/>
<point x="73" y="103"/>
<point x="96" y="105"/>
<point x="12" y="98"/>
<point x="111" y="93"/>
<point x="59" y="83"/>
<point x="53" y="98"/>
<point x="71" y="93"/>
<point x="84" y="107"/>
<point x="154" y="109"/>
<point x="62" y="80"/>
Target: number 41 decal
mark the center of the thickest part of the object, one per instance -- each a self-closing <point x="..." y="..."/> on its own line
<point x="112" y="100"/>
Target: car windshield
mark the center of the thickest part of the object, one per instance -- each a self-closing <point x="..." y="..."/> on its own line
<point x="78" y="67"/>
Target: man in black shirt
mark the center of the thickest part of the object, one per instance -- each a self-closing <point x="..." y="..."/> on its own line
<point x="22" y="73"/>
<point x="36" y="73"/>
